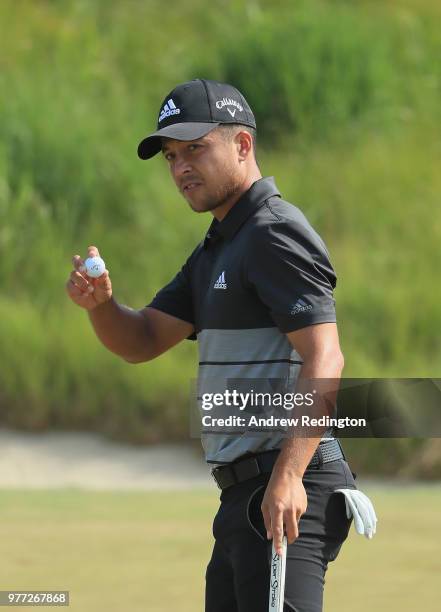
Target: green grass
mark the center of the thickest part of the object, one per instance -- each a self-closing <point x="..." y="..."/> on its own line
<point x="141" y="551"/>
<point x="112" y="551"/>
<point x="389" y="572"/>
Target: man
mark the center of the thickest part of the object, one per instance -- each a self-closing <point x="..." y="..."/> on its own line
<point x="258" y="295"/>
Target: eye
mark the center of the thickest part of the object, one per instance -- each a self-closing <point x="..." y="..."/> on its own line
<point x="168" y="156"/>
<point x="193" y="147"/>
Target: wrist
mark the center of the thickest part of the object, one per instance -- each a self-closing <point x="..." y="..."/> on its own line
<point x="102" y="307"/>
<point x="287" y="472"/>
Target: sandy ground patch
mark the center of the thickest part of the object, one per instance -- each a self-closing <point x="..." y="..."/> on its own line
<point x="89" y="461"/>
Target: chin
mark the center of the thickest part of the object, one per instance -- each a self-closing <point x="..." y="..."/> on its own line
<point x="199" y="207"/>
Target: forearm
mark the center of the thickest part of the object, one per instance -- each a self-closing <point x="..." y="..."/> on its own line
<point x="122" y="330"/>
<point x="297" y="450"/>
<point x="294" y="456"/>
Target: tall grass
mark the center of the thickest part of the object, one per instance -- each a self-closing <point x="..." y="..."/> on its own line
<point x="347" y="99"/>
<point x="314" y="69"/>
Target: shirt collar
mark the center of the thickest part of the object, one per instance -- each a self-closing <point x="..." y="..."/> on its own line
<point x="246" y="205"/>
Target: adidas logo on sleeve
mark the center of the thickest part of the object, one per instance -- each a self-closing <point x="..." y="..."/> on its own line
<point x="168" y="109"/>
<point x="221" y="283"/>
<point x="300" y="306"/>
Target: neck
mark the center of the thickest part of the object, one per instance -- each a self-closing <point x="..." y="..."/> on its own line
<point x="221" y="211"/>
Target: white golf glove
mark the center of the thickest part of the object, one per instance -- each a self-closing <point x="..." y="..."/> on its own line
<point x="359" y="506"/>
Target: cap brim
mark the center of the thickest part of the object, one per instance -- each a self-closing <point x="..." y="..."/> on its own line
<point x="178" y="131"/>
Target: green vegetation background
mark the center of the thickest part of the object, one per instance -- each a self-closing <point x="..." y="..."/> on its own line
<point x="347" y="97"/>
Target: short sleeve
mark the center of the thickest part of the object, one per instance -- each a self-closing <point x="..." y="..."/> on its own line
<point x="176" y="297"/>
<point x="290" y="270"/>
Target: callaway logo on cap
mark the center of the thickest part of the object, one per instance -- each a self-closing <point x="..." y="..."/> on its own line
<point x="195" y="108"/>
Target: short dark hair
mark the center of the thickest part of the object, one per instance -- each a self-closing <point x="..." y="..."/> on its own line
<point x="229" y="131"/>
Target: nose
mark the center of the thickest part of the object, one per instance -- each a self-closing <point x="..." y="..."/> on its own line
<point x="181" y="167"/>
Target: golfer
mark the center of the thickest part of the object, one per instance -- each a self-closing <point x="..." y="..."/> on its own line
<point x="257" y="294"/>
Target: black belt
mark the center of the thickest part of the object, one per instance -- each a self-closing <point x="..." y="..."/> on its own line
<point x="251" y="466"/>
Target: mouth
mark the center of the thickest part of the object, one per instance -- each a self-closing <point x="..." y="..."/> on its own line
<point x="190" y="187"/>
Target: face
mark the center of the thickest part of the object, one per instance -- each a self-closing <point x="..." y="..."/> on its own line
<point x="206" y="171"/>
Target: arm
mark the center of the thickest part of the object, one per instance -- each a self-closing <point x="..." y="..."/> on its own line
<point x="285" y="497"/>
<point x="137" y="335"/>
<point x="134" y="335"/>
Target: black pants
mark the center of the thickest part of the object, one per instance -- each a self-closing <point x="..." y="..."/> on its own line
<point x="238" y="574"/>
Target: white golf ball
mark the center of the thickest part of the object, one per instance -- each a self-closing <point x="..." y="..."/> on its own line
<point x="95" y="266"/>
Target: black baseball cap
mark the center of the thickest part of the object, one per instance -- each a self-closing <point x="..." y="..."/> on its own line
<point x="193" y="109"/>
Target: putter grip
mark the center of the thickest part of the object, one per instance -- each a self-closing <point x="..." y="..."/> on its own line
<point x="277" y="579"/>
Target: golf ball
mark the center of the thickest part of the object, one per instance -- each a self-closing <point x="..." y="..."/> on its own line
<point x="95" y="266"/>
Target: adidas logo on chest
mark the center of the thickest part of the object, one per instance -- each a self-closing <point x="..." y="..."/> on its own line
<point x="221" y="282"/>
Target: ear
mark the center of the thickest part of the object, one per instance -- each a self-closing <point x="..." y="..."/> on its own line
<point x="244" y="144"/>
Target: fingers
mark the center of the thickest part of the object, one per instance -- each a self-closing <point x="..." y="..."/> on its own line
<point x="102" y="284"/>
<point x="78" y="263"/>
<point x="92" y="251"/>
<point x="291" y="526"/>
<point x="277" y="528"/>
<point x="80" y="282"/>
<point x="266" y="520"/>
<point x="279" y="523"/>
<point x="75" y="292"/>
<point x="84" y="290"/>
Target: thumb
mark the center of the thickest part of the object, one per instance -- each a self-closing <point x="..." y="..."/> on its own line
<point x="103" y="280"/>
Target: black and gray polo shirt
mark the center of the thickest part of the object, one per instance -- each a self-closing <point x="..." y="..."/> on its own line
<point x="259" y="273"/>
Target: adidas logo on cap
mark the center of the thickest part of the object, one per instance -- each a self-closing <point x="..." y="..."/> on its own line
<point x="168" y="109"/>
<point x="220" y="283"/>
